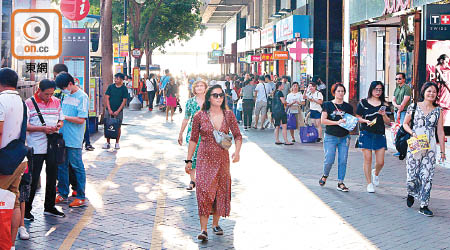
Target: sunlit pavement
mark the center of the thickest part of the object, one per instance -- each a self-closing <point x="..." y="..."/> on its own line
<point x="138" y="200"/>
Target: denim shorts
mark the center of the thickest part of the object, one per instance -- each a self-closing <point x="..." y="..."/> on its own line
<point x="371" y="141"/>
<point x="314" y="114"/>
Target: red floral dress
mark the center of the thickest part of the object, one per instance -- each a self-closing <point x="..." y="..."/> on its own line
<point x="213" y="179"/>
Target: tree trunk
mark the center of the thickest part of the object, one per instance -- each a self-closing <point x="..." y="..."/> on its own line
<point x="148" y="62"/>
<point x="107" y="45"/>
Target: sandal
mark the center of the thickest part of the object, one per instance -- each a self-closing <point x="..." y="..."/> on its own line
<point x="342" y="187"/>
<point x="289" y="144"/>
<point x="191" y="186"/>
<point x="278" y="143"/>
<point x="322" y="181"/>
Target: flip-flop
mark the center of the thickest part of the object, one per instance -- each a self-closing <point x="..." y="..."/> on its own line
<point x="288" y="144"/>
<point x="278" y="143"/>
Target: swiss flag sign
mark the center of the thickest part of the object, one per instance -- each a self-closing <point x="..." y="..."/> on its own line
<point x="445" y="19"/>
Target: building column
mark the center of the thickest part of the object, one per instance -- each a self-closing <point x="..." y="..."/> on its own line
<point x="346" y="47"/>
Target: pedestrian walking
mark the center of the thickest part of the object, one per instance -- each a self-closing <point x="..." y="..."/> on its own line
<point x="12" y="115"/>
<point x="420" y="165"/>
<point x="171" y="96"/>
<point x="151" y="89"/>
<point x="262" y="92"/>
<point x="116" y="98"/>
<point x="372" y="114"/>
<point x="43" y="105"/>
<point x="315" y="99"/>
<point x="248" y="103"/>
<point x="193" y="105"/>
<point x="336" y="137"/>
<point x="213" y="160"/>
<point x="75" y="109"/>
<point x="294" y="106"/>
<point x="279" y="114"/>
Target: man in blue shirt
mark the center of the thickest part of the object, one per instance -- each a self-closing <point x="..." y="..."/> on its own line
<point x="165" y="80"/>
<point x="75" y="109"/>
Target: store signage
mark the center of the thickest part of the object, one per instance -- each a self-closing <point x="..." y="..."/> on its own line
<point x="119" y="59"/>
<point x="287" y="28"/>
<point x="266" y="57"/>
<point x="136" y="53"/>
<point x="280" y="55"/>
<point x="242" y="59"/>
<point x="256" y="40"/>
<point x="268" y="36"/>
<point x="116" y="50"/>
<point x="300" y="51"/>
<point x="256" y="58"/>
<point x="437" y="26"/>
<point x="135" y="79"/>
<point x="248" y="59"/>
<point x="392" y="6"/>
<point x="222" y="59"/>
<point x="75" y="10"/>
<point x="216" y="53"/>
<point x="230" y="58"/>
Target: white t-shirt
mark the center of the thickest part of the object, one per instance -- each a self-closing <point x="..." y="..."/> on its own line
<point x="11" y="114"/>
<point x="291" y="97"/>
<point x="316" y="96"/>
<point x="149" y="85"/>
<point x="261" y="96"/>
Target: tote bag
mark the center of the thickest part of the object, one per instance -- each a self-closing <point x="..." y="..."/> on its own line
<point x="308" y="134"/>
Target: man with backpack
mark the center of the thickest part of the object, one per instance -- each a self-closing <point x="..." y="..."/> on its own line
<point x="45" y="117"/>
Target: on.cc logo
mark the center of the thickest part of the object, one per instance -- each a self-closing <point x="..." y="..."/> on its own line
<point x="36" y="29"/>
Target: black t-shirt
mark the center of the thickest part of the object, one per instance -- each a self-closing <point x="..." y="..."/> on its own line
<point x="277" y="105"/>
<point x="336" y="115"/>
<point x="369" y="112"/>
<point x="116" y="96"/>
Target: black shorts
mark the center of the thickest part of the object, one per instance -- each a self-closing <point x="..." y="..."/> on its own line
<point x="279" y="118"/>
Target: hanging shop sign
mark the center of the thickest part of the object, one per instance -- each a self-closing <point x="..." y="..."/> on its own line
<point x="266" y="57"/>
<point x="437" y="25"/>
<point x="256" y="40"/>
<point x="300" y="51"/>
<point x="75" y="10"/>
<point x="242" y="59"/>
<point x="280" y="55"/>
<point x="392" y="6"/>
<point x="256" y="58"/>
<point x="119" y="59"/>
<point x="288" y="27"/>
<point x="268" y="36"/>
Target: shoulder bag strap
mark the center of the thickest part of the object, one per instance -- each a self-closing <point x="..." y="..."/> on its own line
<point x="38" y="111"/>
<point x="337" y="109"/>
<point x="265" y="92"/>
<point x="412" y="116"/>
<point x="23" y="131"/>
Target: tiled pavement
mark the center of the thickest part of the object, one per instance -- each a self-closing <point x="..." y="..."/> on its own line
<point x="138" y="201"/>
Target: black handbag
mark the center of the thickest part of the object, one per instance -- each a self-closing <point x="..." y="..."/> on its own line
<point x="13" y="154"/>
<point x="402" y="137"/>
<point x="56" y="146"/>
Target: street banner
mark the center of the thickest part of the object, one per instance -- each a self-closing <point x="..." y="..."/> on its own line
<point x="92" y="98"/>
<point x="135" y="77"/>
<point x="116" y="49"/>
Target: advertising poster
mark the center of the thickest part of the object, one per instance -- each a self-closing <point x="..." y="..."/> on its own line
<point x="438" y="70"/>
<point x="92" y="95"/>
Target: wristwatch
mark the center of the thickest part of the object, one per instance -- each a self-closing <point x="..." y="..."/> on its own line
<point x="188" y="161"/>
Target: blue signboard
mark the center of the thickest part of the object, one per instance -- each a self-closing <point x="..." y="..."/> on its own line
<point x="291" y="26"/>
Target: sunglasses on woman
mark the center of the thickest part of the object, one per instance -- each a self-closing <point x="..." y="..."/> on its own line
<point x="217" y="96"/>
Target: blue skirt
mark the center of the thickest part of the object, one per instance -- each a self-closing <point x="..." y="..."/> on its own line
<point x="371" y="141"/>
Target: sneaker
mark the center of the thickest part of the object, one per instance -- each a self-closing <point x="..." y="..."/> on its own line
<point x="54" y="212"/>
<point x="78" y="203"/>
<point x="74" y="193"/>
<point x="425" y="211"/>
<point x="410" y="201"/>
<point x="23" y="234"/>
<point x="28" y="216"/>
<point x="342" y="187"/>
<point x="370" y="188"/>
<point x="117" y="146"/>
<point x="89" y="148"/>
<point x="319" y="140"/>
<point x="217" y="230"/>
<point x="375" y="178"/>
<point x="106" y="146"/>
<point x="60" y="199"/>
<point x="203" y="236"/>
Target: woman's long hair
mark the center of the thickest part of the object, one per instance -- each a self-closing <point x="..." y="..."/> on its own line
<point x="373" y="85"/>
<point x="425" y="87"/>
<point x="441" y="59"/>
<point x="207" y="103"/>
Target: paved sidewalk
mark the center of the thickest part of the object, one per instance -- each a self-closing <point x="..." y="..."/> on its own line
<point x="138" y="200"/>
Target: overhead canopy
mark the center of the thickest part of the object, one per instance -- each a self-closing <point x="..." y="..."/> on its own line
<point x="217" y="12"/>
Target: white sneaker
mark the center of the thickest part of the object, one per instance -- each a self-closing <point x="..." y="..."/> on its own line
<point x="23" y="234"/>
<point x="117" y="146"/>
<point x="375" y="178"/>
<point x="370" y="188"/>
<point x="106" y="146"/>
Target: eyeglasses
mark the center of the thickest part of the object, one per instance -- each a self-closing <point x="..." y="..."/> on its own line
<point x="398" y="79"/>
<point x="217" y="96"/>
<point x="378" y="90"/>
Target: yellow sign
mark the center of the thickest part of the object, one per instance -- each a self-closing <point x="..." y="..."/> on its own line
<point x="124" y="39"/>
<point x="135" y="78"/>
<point x="215" y="45"/>
<point x="116" y="49"/>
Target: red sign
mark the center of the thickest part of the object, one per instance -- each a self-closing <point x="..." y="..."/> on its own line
<point x="124" y="53"/>
<point x="136" y="53"/>
<point x="75" y="10"/>
<point x="266" y="57"/>
<point x="392" y="6"/>
<point x="256" y="58"/>
<point x="445" y="19"/>
<point x="299" y="51"/>
<point x="280" y="55"/>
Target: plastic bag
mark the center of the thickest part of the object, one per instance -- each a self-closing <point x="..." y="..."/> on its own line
<point x="309" y="134"/>
<point x="7" y="200"/>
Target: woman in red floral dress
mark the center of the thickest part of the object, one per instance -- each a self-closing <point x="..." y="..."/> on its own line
<point x="213" y="162"/>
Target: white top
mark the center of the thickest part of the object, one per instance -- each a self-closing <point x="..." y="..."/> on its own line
<point x="291" y="97"/>
<point x="11" y="114"/>
<point x="261" y="96"/>
<point x="149" y="85"/>
<point x="316" y="96"/>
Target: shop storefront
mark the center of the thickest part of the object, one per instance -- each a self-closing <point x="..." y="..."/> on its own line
<point x="267" y="45"/>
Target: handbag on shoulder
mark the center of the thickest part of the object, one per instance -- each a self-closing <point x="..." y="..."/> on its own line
<point x="223" y="139"/>
<point x="402" y="137"/>
<point x="56" y="146"/>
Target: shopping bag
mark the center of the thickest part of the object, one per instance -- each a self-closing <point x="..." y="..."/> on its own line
<point x="7" y="200"/>
<point x="395" y="126"/>
<point x="291" y="121"/>
<point x="308" y="134"/>
<point x="111" y="129"/>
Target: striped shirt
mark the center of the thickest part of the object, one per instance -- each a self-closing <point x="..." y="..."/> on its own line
<point x="51" y="112"/>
